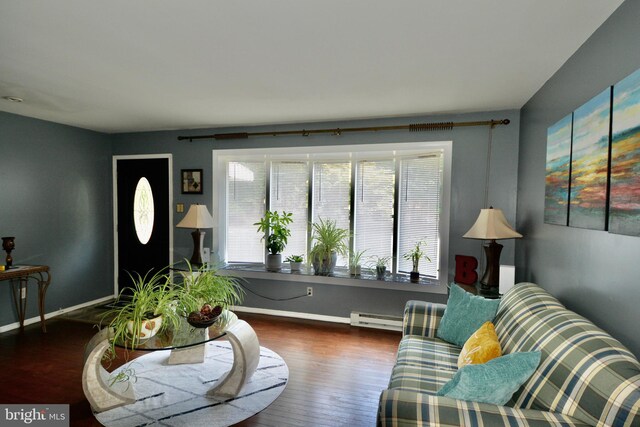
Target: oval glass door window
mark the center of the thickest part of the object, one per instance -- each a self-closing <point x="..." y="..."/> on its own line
<point x="143" y="214"/>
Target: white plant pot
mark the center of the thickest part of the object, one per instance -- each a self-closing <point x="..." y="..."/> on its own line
<point x="295" y="266"/>
<point x="148" y="328"/>
<point x="274" y="262"/>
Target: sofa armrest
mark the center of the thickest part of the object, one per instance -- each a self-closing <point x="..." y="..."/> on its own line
<point x="402" y="408"/>
<point x="422" y="318"/>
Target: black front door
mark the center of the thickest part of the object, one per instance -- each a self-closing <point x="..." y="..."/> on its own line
<point x="142" y="217"/>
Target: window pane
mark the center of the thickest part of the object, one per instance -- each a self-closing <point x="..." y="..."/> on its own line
<point x="419" y="210"/>
<point x="374" y="208"/>
<point x="289" y="192"/>
<point x="143" y="210"/>
<point x="245" y="205"/>
<point x="331" y="195"/>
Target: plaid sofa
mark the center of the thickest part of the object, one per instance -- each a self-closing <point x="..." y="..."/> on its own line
<point x="585" y="377"/>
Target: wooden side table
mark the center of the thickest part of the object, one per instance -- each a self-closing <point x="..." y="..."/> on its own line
<point x="19" y="277"/>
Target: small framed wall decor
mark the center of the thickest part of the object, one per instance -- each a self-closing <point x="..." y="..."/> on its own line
<point x="191" y="181"/>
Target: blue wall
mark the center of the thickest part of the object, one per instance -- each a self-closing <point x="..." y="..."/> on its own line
<point x="467" y="197"/>
<point x="55" y="198"/>
<point x="592" y="272"/>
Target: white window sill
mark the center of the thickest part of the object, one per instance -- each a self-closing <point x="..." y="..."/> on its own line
<point x="341" y="277"/>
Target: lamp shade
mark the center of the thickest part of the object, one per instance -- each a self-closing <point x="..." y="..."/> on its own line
<point x="197" y="217"/>
<point x="491" y="225"/>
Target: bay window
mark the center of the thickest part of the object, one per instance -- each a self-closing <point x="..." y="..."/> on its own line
<point x="389" y="197"/>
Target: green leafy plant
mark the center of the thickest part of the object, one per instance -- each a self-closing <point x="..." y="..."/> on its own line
<point x="152" y="295"/>
<point x="329" y="239"/>
<point x="126" y="375"/>
<point x="274" y="226"/>
<point x="380" y="264"/>
<point x="416" y="254"/>
<point x="355" y="258"/>
<point x="380" y="261"/>
<point x="295" y="258"/>
<point x="206" y="286"/>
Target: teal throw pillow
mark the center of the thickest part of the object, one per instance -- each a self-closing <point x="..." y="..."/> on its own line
<point x="465" y="313"/>
<point x="494" y="381"/>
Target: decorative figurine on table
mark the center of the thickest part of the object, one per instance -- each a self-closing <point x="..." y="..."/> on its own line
<point x="8" y="244"/>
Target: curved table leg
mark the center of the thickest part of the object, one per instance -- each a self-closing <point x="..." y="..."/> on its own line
<point x="246" y="355"/>
<point x="95" y="379"/>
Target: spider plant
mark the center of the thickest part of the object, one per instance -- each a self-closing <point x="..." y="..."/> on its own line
<point x="330" y="241"/>
<point x="152" y="296"/>
<point x="206" y="286"/>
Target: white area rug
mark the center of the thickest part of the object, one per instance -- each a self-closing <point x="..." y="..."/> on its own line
<point x="175" y="395"/>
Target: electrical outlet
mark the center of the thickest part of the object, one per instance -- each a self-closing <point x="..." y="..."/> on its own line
<point x="309" y="291"/>
<point x="206" y="255"/>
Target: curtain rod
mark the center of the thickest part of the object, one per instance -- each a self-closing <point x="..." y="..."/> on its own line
<point x="417" y="127"/>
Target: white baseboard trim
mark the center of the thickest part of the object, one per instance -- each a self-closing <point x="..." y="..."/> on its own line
<point x="294" y="314"/>
<point x="36" y="319"/>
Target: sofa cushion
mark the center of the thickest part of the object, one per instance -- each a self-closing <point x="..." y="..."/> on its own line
<point x="419" y="378"/>
<point x="464" y="314"/>
<point x="424" y="364"/>
<point x="494" y="381"/>
<point x="481" y="347"/>
<point x="429" y="352"/>
<point x="584" y="372"/>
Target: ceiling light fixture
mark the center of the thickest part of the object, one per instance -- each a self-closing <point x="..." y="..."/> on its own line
<point x="12" y="98"/>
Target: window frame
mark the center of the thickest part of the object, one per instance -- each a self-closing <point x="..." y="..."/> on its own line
<point x="352" y="153"/>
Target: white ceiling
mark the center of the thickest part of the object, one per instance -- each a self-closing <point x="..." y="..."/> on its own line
<point x="121" y="65"/>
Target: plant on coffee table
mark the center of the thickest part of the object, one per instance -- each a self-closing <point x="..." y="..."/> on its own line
<point x="150" y="308"/>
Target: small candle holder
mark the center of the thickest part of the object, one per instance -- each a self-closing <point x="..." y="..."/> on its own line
<point x="8" y="244"/>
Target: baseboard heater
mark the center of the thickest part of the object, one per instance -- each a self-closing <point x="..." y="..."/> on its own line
<point x="378" y="321"/>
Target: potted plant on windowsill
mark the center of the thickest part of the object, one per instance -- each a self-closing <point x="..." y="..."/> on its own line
<point x="355" y="257"/>
<point x="295" y="261"/>
<point x="414" y="255"/>
<point x="329" y="242"/>
<point x="380" y="264"/>
<point x="276" y="233"/>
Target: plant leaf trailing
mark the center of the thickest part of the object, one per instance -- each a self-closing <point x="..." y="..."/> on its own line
<point x="127" y="374"/>
<point x="274" y="226"/>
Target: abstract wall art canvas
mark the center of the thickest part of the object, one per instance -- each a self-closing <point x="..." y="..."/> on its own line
<point x="556" y="194"/>
<point x="624" y="205"/>
<point x="590" y="163"/>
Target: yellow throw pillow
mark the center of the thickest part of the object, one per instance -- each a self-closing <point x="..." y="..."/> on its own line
<point x="481" y="347"/>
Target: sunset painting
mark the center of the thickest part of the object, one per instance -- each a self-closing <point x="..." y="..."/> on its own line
<point x="589" y="163"/>
<point x="624" y="208"/>
<point x="556" y="194"/>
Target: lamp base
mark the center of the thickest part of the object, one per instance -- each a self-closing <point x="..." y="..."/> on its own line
<point x="491" y="278"/>
<point x="198" y="241"/>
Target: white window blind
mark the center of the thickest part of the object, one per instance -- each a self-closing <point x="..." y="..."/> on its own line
<point x="390" y="196"/>
<point x="374" y="194"/>
<point x="419" y="210"/>
<point x="246" y="189"/>
<point x="332" y="195"/>
<point x="289" y="191"/>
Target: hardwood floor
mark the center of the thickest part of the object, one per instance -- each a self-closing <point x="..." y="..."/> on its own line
<point x="336" y="372"/>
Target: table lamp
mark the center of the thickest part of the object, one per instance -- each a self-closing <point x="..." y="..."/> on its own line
<point x="491" y="225"/>
<point x="197" y="217"/>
